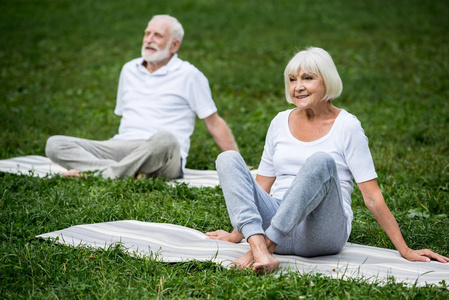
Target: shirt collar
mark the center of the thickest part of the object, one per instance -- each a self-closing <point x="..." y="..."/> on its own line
<point x="173" y="64"/>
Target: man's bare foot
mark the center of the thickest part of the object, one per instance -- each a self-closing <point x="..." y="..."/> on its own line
<point x="74" y="173"/>
<point x="262" y="250"/>
<point x="244" y="262"/>
<point x="141" y="176"/>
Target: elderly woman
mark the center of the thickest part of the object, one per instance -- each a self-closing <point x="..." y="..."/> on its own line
<point x="300" y="201"/>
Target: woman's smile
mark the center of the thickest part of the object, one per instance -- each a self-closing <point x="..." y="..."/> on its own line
<point x="306" y="89"/>
<point x="302" y="96"/>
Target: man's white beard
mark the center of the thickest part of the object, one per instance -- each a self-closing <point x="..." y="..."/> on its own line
<point x="157" y="56"/>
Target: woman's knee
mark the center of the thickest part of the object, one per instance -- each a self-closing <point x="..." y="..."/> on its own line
<point x="227" y="158"/>
<point x="319" y="167"/>
<point x="323" y="159"/>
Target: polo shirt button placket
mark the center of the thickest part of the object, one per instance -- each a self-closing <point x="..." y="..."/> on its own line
<point x="149" y="80"/>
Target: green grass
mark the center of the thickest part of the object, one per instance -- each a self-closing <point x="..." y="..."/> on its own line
<point x="60" y="62"/>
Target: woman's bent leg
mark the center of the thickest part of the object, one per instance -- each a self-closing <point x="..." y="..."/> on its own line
<point x="250" y="209"/>
<point x="310" y="220"/>
<point x="249" y="206"/>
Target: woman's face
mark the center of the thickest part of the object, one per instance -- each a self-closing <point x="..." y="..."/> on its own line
<point x="306" y="89"/>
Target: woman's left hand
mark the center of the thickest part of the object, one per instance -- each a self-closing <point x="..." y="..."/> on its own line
<point x="424" y="255"/>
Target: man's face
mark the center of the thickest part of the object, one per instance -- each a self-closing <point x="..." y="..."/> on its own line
<point x="156" y="41"/>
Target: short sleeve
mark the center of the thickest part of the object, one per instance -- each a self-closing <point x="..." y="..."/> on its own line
<point x="200" y="99"/>
<point x="357" y="153"/>
<point x="266" y="167"/>
<point x="119" y="102"/>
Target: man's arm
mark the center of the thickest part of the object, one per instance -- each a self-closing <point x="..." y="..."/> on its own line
<point x="220" y="132"/>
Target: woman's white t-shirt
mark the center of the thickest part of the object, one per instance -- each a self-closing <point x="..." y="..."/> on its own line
<point x="284" y="155"/>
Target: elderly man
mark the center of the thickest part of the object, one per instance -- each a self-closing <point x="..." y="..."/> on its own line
<point x="158" y="99"/>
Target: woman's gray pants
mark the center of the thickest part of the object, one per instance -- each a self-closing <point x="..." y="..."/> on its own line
<point x="157" y="156"/>
<point x="308" y="221"/>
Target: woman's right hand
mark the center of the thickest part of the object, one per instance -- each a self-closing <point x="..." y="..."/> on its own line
<point x="233" y="237"/>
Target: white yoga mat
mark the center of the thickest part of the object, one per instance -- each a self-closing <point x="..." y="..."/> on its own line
<point x="41" y="166"/>
<point x="173" y="243"/>
<point x="33" y="165"/>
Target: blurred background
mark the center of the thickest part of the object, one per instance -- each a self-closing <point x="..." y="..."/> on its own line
<point x="60" y="63"/>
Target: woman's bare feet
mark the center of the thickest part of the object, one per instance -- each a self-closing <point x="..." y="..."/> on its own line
<point x="260" y="257"/>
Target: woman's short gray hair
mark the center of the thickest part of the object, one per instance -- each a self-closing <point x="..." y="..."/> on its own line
<point x="318" y="62"/>
<point x="177" y="32"/>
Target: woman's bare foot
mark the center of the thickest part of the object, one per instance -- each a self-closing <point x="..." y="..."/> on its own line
<point x="265" y="264"/>
<point x="74" y="173"/>
<point x="244" y="262"/>
<point x="262" y="250"/>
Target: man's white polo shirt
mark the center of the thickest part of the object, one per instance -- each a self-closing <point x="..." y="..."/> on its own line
<point x="168" y="99"/>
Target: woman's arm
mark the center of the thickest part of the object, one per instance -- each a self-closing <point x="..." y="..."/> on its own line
<point x="375" y="202"/>
<point x="265" y="182"/>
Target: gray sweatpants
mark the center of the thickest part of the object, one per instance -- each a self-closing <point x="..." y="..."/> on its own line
<point x="157" y="156"/>
<point x="308" y="221"/>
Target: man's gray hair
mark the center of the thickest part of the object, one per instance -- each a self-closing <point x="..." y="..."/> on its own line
<point x="176" y="28"/>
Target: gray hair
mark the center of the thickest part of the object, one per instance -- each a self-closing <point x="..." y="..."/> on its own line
<point x="316" y="61"/>
<point x="177" y="31"/>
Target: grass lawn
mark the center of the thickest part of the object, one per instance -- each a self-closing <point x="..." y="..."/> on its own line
<point x="60" y="62"/>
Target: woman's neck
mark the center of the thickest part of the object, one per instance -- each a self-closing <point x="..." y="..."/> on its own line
<point x="324" y="111"/>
